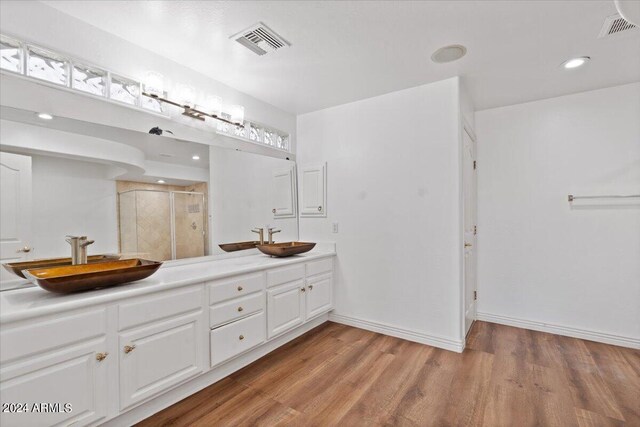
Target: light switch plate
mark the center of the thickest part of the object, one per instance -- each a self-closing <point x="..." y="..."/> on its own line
<point x="335" y="227"/>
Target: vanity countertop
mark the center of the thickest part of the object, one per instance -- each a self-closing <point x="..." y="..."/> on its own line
<point x="31" y="302"/>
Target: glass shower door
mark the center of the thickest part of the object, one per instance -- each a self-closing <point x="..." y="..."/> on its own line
<point x="189" y="224"/>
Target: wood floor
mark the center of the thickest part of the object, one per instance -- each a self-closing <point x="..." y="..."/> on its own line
<point x="339" y="375"/>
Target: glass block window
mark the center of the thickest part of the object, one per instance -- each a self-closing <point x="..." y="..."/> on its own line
<point x="269" y="137"/>
<point x="240" y="131"/>
<point x="282" y="142"/>
<point x="254" y="133"/>
<point x="45" y="65"/>
<point x="10" y="55"/>
<point x="124" y="90"/>
<point x="88" y="79"/>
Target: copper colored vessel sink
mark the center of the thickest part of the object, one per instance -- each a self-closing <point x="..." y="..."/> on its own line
<point x="74" y="278"/>
<point x="238" y="246"/>
<point x="286" y="249"/>
<point x="17" y="267"/>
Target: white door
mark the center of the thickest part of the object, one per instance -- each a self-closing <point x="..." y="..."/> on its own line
<point x="319" y="295"/>
<point x="283" y="193"/>
<point x="15" y="212"/>
<point x="313" y="190"/>
<point x="285" y="307"/>
<point x="75" y="376"/>
<point x="470" y="229"/>
<point x="157" y="357"/>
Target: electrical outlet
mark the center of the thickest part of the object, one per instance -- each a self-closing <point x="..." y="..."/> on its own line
<point x="335" y="227"/>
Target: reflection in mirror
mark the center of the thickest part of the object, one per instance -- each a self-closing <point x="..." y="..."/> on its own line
<point x="249" y="192"/>
<point x="137" y="195"/>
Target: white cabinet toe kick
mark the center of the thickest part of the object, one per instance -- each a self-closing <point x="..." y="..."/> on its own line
<point x="120" y="361"/>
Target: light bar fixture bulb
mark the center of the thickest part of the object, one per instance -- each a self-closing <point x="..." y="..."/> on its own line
<point x="237" y="113"/>
<point x="154" y="84"/>
<point x="45" y="116"/>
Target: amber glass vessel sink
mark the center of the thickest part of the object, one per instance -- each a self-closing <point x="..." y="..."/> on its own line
<point x="74" y="278"/>
<point x="17" y="267"/>
<point x="286" y="249"/>
<point x="238" y="246"/>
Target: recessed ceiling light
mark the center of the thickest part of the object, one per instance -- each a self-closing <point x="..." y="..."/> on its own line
<point x="160" y="181"/>
<point x="449" y="53"/>
<point x="575" y="62"/>
<point x="45" y="116"/>
<point x="196" y="157"/>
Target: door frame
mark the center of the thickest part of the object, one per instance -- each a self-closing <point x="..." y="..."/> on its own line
<point x="465" y="127"/>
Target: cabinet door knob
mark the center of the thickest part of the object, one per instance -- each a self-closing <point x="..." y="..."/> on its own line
<point x="241" y="337"/>
<point x="303" y="289"/>
<point x="26" y="249"/>
<point x="239" y="288"/>
<point x="101" y="356"/>
<point x="319" y="208"/>
<point x="129" y="348"/>
<point x="273" y="210"/>
<point x="310" y="287"/>
<point x="240" y="308"/>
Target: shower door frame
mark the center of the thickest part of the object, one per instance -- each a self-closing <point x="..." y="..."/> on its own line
<point x="172" y="209"/>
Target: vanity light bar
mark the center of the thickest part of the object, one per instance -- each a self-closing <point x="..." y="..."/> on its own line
<point x="190" y="111"/>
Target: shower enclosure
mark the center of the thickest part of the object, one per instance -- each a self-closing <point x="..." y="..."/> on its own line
<point x="162" y="225"/>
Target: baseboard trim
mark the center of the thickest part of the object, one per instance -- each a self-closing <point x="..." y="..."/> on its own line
<point x="567" y="331"/>
<point x="381" y="328"/>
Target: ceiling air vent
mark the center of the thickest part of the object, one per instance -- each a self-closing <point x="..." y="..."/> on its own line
<point x="615" y="24"/>
<point x="260" y="39"/>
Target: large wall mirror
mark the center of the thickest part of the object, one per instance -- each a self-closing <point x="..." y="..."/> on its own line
<point x="136" y="195"/>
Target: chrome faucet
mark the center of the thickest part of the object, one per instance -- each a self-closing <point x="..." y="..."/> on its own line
<point x="272" y="231"/>
<point x="259" y="231"/>
<point x="78" y="249"/>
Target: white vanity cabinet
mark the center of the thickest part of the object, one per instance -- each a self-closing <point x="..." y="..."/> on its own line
<point x="161" y="342"/>
<point x="117" y="356"/>
<point x="297" y="294"/>
<point x="55" y="371"/>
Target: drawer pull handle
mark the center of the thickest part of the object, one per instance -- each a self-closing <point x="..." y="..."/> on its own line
<point x="303" y="289"/>
<point x="310" y="287"/>
<point x="239" y="288"/>
<point x="129" y="348"/>
<point x="101" y="356"/>
<point x="241" y="337"/>
<point x="240" y="308"/>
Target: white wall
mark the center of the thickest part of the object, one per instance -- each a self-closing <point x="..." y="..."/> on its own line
<point x="541" y="261"/>
<point x="39" y="23"/>
<point x="72" y="197"/>
<point x="393" y="187"/>
<point x="241" y="197"/>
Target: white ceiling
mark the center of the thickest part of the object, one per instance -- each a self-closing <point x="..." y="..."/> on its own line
<point x="349" y="50"/>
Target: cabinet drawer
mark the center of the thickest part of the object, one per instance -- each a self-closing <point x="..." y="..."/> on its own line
<point x="236" y="308"/>
<point x="318" y="267"/>
<point x="159" y="306"/>
<point x="41" y="336"/>
<point x="279" y="276"/>
<point x="237" y="337"/>
<point x="222" y="290"/>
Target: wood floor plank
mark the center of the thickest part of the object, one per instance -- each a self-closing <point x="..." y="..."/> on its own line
<point x="336" y="375"/>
